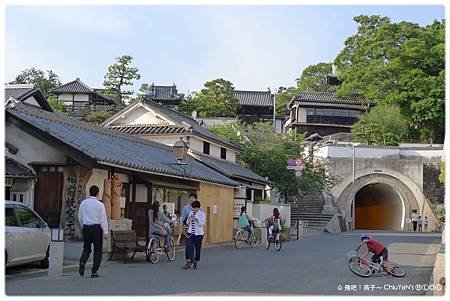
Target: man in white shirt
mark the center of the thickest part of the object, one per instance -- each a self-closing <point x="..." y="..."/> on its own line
<point x="414" y="219"/>
<point x="93" y="221"/>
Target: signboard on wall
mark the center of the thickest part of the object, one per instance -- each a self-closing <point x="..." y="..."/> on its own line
<point x="238" y="203"/>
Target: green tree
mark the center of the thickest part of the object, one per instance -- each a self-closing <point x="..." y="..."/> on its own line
<point x="119" y="75"/>
<point x="442" y="174"/>
<point x="266" y="153"/>
<point x="314" y="78"/>
<point x="402" y="64"/>
<point x="57" y="105"/>
<point x="383" y="125"/>
<point x="216" y="99"/>
<point x="283" y="98"/>
<point x="45" y="82"/>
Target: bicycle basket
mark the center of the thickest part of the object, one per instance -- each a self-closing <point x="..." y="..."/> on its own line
<point x="352" y="255"/>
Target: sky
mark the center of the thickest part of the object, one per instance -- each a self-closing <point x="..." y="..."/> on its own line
<point x="254" y="47"/>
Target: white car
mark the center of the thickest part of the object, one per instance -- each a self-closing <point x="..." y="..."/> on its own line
<point x="27" y="236"/>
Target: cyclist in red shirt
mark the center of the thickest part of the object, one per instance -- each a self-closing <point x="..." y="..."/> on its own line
<point x="374" y="246"/>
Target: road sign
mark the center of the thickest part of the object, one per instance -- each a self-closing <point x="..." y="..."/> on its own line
<point x="298" y="174"/>
<point x="295" y="167"/>
<point x="298" y="162"/>
<point x="290" y="162"/>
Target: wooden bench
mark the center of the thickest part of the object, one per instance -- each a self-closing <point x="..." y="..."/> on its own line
<point x="124" y="242"/>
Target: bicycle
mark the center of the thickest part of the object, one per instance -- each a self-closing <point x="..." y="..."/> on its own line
<point x="366" y="268"/>
<point x="241" y="238"/>
<point x="276" y="239"/>
<point x="155" y="249"/>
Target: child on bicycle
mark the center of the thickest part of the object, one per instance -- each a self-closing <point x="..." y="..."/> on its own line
<point x="244" y="223"/>
<point x="274" y="222"/>
<point x="374" y="246"/>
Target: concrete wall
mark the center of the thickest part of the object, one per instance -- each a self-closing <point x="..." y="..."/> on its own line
<point x="264" y="211"/>
<point x="411" y="168"/>
<point x="217" y="203"/>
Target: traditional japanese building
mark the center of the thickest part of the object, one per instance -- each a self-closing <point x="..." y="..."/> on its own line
<point x="324" y="113"/>
<point x="28" y="94"/>
<point x="165" y="95"/>
<point x="255" y="105"/>
<point x="155" y="122"/>
<point x="81" y="99"/>
<point x="65" y="156"/>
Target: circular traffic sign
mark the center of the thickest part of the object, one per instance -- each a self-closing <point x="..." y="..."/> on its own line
<point x="298" y="162"/>
<point x="298" y="174"/>
<point x="290" y="162"/>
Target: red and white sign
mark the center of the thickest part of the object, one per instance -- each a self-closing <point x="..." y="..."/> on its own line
<point x="298" y="162"/>
<point x="298" y="174"/>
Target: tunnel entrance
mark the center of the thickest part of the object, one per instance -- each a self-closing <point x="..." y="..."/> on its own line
<point x="378" y="207"/>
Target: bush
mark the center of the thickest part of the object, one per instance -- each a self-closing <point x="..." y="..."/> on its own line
<point x="97" y="117"/>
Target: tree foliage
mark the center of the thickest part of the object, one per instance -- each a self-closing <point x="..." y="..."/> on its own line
<point x="283" y="97"/>
<point x="442" y="174"/>
<point x="314" y="78"/>
<point x="383" y="125"/>
<point x="45" y="81"/>
<point x="401" y="64"/>
<point x="120" y="75"/>
<point x="266" y="153"/>
<point x="57" y="105"/>
<point x="215" y="99"/>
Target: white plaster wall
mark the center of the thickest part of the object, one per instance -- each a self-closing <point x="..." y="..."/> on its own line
<point x="214" y="150"/>
<point x="98" y="177"/>
<point x="82" y="97"/>
<point x="31" y="149"/>
<point x="169" y="140"/>
<point x="231" y="155"/>
<point x="65" y="97"/>
<point x="196" y="144"/>
<point x="141" y="193"/>
<point x="139" y="115"/>
<point x="31" y="100"/>
<point x="301" y="115"/>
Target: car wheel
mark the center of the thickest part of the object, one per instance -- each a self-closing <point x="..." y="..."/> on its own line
<point x="44" y="263"/>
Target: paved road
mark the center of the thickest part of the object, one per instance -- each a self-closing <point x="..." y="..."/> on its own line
<point x="314" y="265"/>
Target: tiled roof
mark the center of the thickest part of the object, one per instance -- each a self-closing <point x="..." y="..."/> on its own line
<point x="327" y="99"/>
<point x="76" y="86"/>
<point x="197" y="129"/>
<point x="14" y="168"/>
<point x="163" y="92"/>
<point x="151" y="129"/>
<point x="18" y="91"/>
<point x="254" y="98"/>
<point x="21" y="92"/>
<point x="111" y="148"/>
<point x="232" y="170"/>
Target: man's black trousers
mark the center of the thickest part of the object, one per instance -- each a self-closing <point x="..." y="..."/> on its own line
<point x="92" y="234"/>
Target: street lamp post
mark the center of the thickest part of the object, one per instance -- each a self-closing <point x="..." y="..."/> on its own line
<point x="353" y="185"/>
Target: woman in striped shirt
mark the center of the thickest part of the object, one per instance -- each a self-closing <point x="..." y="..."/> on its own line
<point x="195" y="221"/>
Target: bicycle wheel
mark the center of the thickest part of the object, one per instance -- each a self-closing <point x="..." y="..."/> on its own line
<point x="278" y="243"/>
<point x="239" y="239"/>
<point x="359" y="269"/>
<point x="152" y="251"/>
<point x="395" y="269"/>
<point x="171" y="250"/>
<point x="254" y="240"/>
